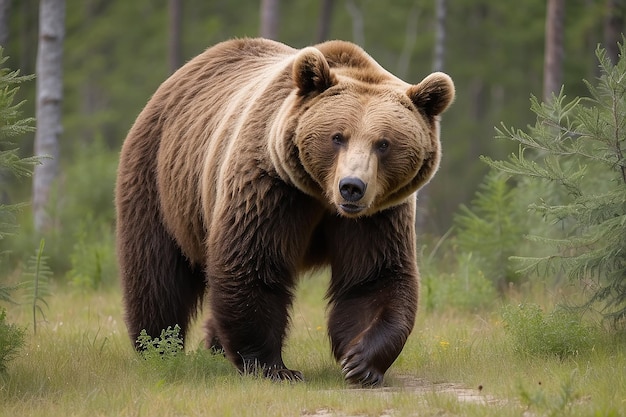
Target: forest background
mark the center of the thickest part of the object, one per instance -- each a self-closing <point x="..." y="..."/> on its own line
<point x="116" y="53"/>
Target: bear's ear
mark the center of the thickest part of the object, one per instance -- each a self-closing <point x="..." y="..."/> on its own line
<point x="433" y="95"/>
<point x="311" y="72"/>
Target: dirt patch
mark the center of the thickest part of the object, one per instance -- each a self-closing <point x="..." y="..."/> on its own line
<point x="463" y="393"/>
<point x="421" y="387"/>
<point x="329" y="413"/>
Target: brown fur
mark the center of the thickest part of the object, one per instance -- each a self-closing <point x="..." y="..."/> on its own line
<point x="255" y="162"/>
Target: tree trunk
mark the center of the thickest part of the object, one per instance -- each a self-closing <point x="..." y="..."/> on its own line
<point x="358" y="23"/>
<point x="5" y="10"/>
<point x="440" y="35"/>
<point x="423" y="196"/>
<point x="553" y="55"/>
<point x="269" y="19"/>
<point x="323" y="25"/>
<point x="175" y="53"/>
<point x="48" y="112"/>
<point x="613" y="28"/>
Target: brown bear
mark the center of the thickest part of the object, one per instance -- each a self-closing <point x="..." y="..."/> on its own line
<point x="255" y="162"/>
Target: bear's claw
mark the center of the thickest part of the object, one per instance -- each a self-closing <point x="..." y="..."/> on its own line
<point x="283" y="374"/>
<point x="358" y="371"/>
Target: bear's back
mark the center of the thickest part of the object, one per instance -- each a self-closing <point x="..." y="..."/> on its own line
<point x="224" y="70"/>
<point x="201" y="108"/>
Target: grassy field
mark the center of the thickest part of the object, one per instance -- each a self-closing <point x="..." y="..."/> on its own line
<point x="80" y="363"/>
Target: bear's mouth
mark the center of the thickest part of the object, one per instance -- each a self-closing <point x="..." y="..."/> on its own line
<point x="351" y="208"/>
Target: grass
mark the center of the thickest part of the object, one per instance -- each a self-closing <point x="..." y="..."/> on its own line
<point x="81" y="363"/>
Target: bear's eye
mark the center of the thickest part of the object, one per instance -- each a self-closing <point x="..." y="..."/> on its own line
<point x="382" y="146"/>
<point x="338" y="139"/>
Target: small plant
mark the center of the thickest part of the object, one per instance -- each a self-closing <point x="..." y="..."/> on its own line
<point x="86" y="260"/>
<point x="491" y="229"/>
<point x="559" y="404"/>
<point x="37" y="283"/>
<point x="165" y="347"/>
<point x="559" y="333"/>
<point x="165" y="357"/>
<point x="163" y="354"/>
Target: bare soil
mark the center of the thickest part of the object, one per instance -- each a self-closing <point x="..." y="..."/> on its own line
<point x="421" y="387"/>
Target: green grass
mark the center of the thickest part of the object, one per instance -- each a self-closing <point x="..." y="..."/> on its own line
<point x="81" y="363"/>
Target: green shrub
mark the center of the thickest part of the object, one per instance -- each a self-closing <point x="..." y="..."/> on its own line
<point x="165" y="354"/>
<point x="454" y="279"/>
<point x="11" y="341"/>
<point x="491" y="229"/>
<point x="168" y="346"/>
<point x="560" y="333"/>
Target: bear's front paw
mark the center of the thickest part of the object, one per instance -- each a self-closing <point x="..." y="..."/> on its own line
<point x="358" y="370"/>
<point x="283" y="374"/>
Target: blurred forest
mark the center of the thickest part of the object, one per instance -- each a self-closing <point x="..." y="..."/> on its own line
<point x="117" y="52"/>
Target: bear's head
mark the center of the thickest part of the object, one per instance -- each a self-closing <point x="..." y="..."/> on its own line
<point x="366" y="139"/>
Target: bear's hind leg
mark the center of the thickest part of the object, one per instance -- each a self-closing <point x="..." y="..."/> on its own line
<point x="160" y="288"/>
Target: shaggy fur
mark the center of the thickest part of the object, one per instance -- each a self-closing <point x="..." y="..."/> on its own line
<point x="255" y="162"/>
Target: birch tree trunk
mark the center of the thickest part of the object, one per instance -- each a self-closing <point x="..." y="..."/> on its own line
<point x="553" y="55"/>
<point x="440" y="35"/>
<point x="269" y="19"/>
<point x="48" y="112"/>
<point x="358" y="23"/>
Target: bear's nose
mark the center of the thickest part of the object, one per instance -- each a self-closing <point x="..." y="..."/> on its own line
<point x="352" y="188"/>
